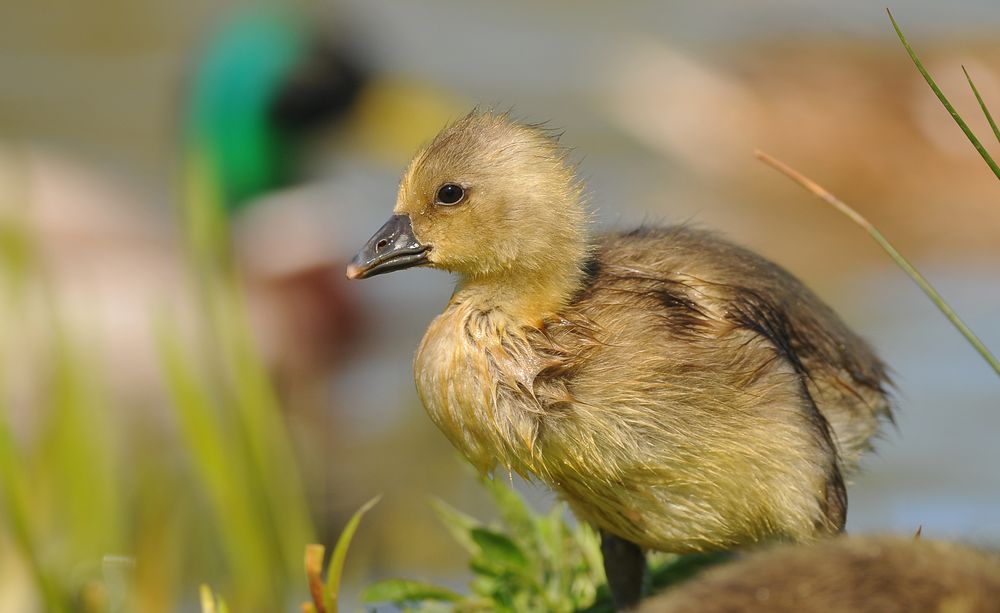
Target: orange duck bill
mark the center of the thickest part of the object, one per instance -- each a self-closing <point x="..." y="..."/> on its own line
<point x="393" y="247"/>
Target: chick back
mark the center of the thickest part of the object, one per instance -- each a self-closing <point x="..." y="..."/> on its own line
<point x="698" y="396"/>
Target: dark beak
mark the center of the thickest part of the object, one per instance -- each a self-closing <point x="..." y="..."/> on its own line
<point x="392" y="248"/>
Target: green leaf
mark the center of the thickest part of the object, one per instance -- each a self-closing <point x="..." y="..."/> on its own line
<point x="499" y="550"/>
<point x="336" y="567"/>
<point x="458" y="524"/>
<point x="482" y="567"/>
<point x="483" y="584"/>
<point x="944" y="100"/>
<point x="514" y="511"/>
<point x="399" y="591"/>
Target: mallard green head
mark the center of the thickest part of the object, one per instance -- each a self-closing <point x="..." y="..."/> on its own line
<point x="265" y="80"/>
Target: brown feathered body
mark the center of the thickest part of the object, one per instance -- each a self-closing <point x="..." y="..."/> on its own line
<point x="845" y="575"/>
<point x="691" y="395"/>
<point x="678" y="391"/>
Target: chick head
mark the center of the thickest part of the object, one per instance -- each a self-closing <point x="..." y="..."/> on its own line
<point x="486" y="197"/>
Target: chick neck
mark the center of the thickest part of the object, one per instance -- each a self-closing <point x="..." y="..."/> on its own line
<point x="533" y="289"/>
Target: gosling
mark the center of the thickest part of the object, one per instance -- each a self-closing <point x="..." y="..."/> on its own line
<point x="871" y="574"/>
<point x="681" y="393"/>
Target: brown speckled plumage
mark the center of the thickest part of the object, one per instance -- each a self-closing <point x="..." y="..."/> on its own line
<point x="679" y="391"/>
<point x="845" y="575"/>
<point x="691" y="395"/>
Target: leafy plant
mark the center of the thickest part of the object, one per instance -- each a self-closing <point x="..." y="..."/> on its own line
<point x="528" y="562"/>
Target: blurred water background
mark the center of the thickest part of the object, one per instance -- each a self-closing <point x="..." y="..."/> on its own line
<point x="663" y="103"/>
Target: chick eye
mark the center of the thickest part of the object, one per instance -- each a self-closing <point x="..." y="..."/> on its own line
<point x="450" y="194"/>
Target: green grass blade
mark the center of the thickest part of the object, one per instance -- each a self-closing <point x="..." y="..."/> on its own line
<point x="336" y="567"/>
<point x="944" y="100"/>
<point x="256" y="415"/>
<point x="883" y="242"/>
<point x="17" y="517"/>
<point x="76" y="452"/>
<point x="982" y="104"/>
<point x="216" y="464"/>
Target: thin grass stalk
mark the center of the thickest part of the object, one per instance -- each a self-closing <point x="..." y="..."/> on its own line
<point x="982" y="104"/>
<point x="883" y="242"/>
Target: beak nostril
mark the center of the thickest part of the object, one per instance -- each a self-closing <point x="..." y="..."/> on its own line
<point x="392" y="247"/>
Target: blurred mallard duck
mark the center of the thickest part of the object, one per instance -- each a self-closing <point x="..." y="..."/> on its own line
<point x="108" y="254"/>
<point x="265" y="86"/>
<point x="264" y="82"/>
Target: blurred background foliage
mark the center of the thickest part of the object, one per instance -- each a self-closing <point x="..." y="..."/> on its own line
<point x="191" y="391"/>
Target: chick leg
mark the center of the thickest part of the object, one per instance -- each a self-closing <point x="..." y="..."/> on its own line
<point x="625" y="567"/>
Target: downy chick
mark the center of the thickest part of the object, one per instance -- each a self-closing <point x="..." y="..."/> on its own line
<point x="869" y="574"/>
<point x="681" y="393"/>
